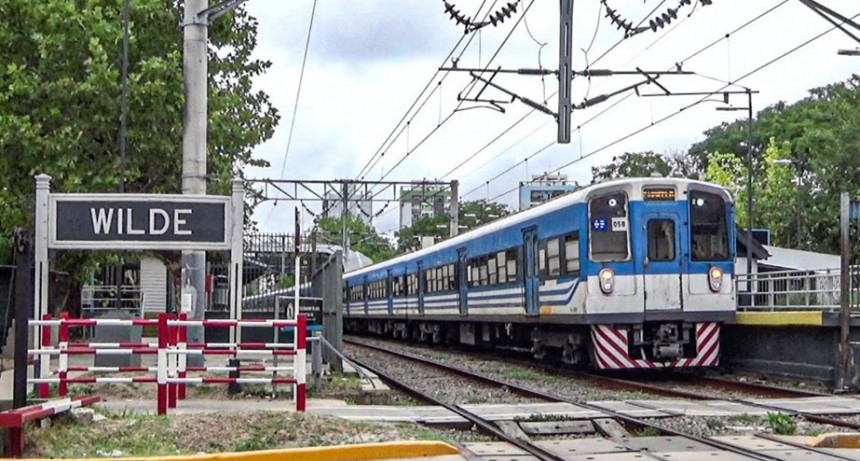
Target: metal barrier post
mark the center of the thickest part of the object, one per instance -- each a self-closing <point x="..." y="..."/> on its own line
<point x="183" y="359"/>
<point x="162" y="364"/>
<point x="172" y="389"/>
<point x="316" y="360"/>
<point x="301" y="358"/>
<point x="44" y="389"/>
<point x="63" y="388"/>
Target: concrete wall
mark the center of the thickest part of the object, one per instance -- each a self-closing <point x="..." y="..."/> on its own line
<point x="806" y="353"/>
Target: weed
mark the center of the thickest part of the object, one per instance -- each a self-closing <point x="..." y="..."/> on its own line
<point x="781" y="423"/>
<point x="715" y="424"/>
<point x="521" y="373"/>
<point x="647" y="432"/>
<point x="418" y="432"/>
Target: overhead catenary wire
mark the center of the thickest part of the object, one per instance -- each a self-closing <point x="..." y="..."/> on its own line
<point x="299" y="89"/>
<point x="700" y="100"/>
<point x="629" y="95"/>
<point x="368" y="166"/>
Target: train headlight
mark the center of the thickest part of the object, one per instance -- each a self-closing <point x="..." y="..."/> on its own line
<point x="606" y="278"/>
<point x="715" y="278"/>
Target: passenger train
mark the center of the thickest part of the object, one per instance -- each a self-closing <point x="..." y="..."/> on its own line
<point x="628" y="274"/>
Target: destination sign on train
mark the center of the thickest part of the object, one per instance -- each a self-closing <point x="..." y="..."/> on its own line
<point x="165" y="223"/>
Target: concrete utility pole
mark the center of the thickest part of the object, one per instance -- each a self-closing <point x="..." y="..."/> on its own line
<point x="455" y="208"/>
<point x="195" y="65"/>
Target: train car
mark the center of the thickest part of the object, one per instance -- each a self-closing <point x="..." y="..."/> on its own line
<point x="627" y="274"/>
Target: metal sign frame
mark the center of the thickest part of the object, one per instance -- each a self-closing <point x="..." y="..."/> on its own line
<point x="45" y="239"/>
<point x="174" y="244"/>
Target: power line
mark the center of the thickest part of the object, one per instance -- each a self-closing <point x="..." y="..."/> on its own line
<point x="624" y="98"/>
<point x="498" y="50"/>
<point x="299" y="90"/>
<point x="681" y="110"/>
<point x="368" y="166"/>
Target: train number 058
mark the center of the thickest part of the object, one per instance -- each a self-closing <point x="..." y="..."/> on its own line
<point x="619" y="224"/>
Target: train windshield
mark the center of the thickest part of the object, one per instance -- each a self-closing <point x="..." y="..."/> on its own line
<point x="609" y="228"/>
<point x="708" y="227"/>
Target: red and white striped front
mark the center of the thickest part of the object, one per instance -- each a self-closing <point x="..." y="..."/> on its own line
<point x="611" y="346"/>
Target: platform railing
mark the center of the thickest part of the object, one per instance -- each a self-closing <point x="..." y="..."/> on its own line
<point x="96" y="299"/>
<point x="814" y="290"/>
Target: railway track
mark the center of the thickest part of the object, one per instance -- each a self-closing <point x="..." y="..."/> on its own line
<point x="629" y="422"/>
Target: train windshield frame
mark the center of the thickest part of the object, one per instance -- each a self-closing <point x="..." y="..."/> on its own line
<point x="609" y="228"/>
<point x="709" y="232"/>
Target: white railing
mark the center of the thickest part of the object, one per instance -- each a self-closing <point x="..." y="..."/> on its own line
<point x="795" y="290"/>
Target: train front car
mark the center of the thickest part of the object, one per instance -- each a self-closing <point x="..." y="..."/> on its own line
<point x="659" y="273"/>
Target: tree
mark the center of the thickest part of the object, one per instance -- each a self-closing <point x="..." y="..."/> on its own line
<point x="632" y="165"/>
<point x="471" y="214"/>
<point x="362" y="237"/>
<point x="60" y="87"/>
<point x="819" y="135"/>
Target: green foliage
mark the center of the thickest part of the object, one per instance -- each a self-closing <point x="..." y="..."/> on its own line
<point x="286" y="281"/>
<point x="632" y="165"/>
<point x="471" y="214"/>
<point x="781" y="423"/>
<point x="60" y="91"/>
<point x="799" y="201"/>
<point x="6" y="249"/>
<point x="362" y="237"/>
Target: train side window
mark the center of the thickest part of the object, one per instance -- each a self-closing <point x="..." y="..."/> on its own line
<point x="484" y="273"/>
<point x="512" y="265"/>
<point x="452" y="277"/>
<point x="503" y="267"/>
<point x="571" y="253"/>
<point x="492" y="269"/>
<point x="553" y="258"/>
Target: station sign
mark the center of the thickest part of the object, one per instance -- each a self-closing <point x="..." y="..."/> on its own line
<point x="139" y="222"/>
<point x="310" y="307"/>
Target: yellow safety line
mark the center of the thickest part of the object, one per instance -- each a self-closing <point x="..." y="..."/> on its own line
<point x="811" y="318"/>
<point x="370" y="451"/>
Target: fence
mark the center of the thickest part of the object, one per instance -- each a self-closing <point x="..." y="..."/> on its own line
<point x="796" y="290"/>
<point x="99" y="298"/>
<point x="172" y="350"/>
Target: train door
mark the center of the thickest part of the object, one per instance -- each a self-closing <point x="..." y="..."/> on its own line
<point x="662" y="263"/>
<point x="420" y="283"/>
<point x="461" y="281"/>
<point x="389" y="293"/>
<point x="530" y="274"/>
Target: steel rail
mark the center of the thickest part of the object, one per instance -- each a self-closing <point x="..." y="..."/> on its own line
<point x="628" y="420"/>
<point x="484" y="425"/>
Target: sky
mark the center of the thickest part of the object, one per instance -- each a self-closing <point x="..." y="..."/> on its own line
<point x="369" y="60"/>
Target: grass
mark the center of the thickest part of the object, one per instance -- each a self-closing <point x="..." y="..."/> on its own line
<point x="781" y="423"/>
<point x="522" y="374"/>
<point x="149" y="435"/>
<point x="647" y="432"/>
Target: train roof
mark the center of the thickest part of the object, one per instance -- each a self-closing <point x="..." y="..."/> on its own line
<point x="563" y="201"/>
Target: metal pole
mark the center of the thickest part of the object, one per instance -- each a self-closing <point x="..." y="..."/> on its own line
<point x="195" y="118"/>
<point x="23" y="302"/>
<point x="344" y="217"/>
<point x="749" y="188"/>
<point x="844" y="293"/>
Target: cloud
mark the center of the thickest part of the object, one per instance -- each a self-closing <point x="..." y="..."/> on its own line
<point x="369" y="60"/>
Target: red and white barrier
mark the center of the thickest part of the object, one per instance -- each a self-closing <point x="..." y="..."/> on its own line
<point x="172" y="350"/>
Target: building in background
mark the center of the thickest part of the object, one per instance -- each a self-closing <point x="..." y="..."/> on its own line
<point x="423" y="201"/>
<point x="360" y="203"/>
<point x="543" y="188"/>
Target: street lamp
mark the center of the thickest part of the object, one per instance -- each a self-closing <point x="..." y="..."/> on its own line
<point x="749" y="174"/>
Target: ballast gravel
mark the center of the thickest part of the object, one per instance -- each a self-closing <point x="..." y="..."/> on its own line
<point x="576" y="389"/>
<point x="442" y="385"/>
